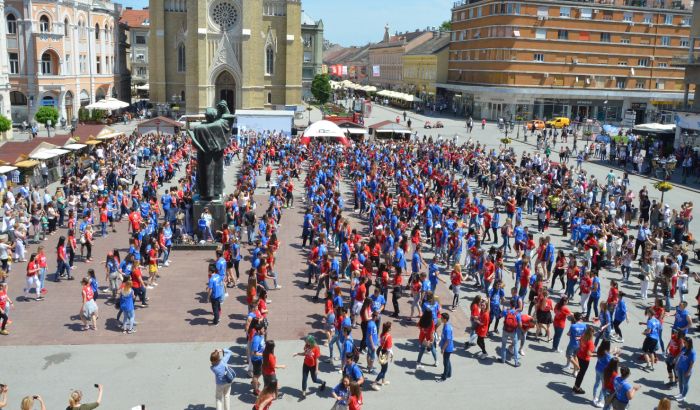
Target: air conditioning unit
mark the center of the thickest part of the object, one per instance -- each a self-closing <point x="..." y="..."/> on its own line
<point x="577" y="79"/>
<point x="632" y="70"/>
<point x="631" y="23"/>
<point x="546" y="75"/>
<point x="574" y="61"/>
<point x="651" y="25"/>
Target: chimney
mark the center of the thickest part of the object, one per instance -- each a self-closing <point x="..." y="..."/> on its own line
<point x="386" y="33"/>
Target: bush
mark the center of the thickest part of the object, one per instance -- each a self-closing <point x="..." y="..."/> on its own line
<point x="5" y="124"/>
<point x="45" y="114"/>
<point x="83" y="114"/>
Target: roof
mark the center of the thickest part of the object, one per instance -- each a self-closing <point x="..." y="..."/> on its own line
<point x="431" y="46"/>
<point x="135" y="18"/>
<point x="10" y="152"/>
<point x="400" y="39"/>
<point x="85" y="131"/>
<point x="264" y="113"/>
<point x="158" y="121"/>
<point x="340" y="55"/>
<point x="306" y="20"/>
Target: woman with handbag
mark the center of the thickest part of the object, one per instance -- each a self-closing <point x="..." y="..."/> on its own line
<point x="223" y="377"/>
<point x="385" y="354"/>
<point x="425" y="337"/>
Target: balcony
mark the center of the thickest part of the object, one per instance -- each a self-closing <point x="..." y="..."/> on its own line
<point x="646" y="4"/>
<point x="684" y="60"/>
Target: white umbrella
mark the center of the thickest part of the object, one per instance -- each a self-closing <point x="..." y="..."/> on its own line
<point x="108" y="103"/>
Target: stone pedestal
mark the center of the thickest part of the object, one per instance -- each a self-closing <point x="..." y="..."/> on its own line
<point x="217" y="211"/>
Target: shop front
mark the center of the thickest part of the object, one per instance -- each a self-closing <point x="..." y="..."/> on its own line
<point x="496" y="106"/>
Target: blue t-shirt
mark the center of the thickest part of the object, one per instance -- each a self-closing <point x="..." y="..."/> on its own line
<point x="447" y="341"/>
<point x="602" y="362"/>
<point x="653" y="325"/>
<point x="353" y="372"/>
<point x="620" y="311"/>
<point x="372" y="335"/>
<point x="216" y="284"/>
<point x="257" y="346"/>
<point x="126" y="302"/>
<point x="576" y="330"/>
<point x="377" y="302"/>
<point x="621" y="388"/>
<point x="681" y="319"/>
<point x="685" y="359"/>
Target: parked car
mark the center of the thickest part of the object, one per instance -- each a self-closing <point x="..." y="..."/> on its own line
<point x="439" y="124"/>
<point x="428" y="124"/>
<point x="539" y="125"/>
<point x="558" y="122"/>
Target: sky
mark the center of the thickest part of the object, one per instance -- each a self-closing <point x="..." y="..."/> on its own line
<point x="363" y="21"/>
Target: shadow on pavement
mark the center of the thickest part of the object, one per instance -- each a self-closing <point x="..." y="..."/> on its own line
<point x="566" y="393"/>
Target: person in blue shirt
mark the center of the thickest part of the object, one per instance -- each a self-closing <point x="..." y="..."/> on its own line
<point x="576" y="331"/>
<point x="652" y="338"/>
<point x="341" y="393"/>
<point x="682" y="320"/>
<point x="372" y="341"/>
<point x="512" y="322"/>
<point x="624" y="391"/>
<point x="604" y="357"/>
<point x="619" y="316"/>
<point x="446" y="346"/>
<point x="684" y="367"/>
<point x="257" y="346"/>
<point x="352" y="371"/>
<point x="215" y="291"/>
<point x="348" y="342"/>
<point x="126" y="306"/>
<point x="222" y="376"/>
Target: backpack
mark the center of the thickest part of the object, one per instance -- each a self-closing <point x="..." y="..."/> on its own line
<point x="511" y="322"/>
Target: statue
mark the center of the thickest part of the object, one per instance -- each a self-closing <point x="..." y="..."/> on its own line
<point x="211" y="139"/>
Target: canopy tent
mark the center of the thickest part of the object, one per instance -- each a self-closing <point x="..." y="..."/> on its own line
<point x="399" y="96"/>
<point x="74" y="146"/>
<point x="655" y="127"/>
<point x="687" y="120"/>
<point x="4" y="169"/>
<point x="94" y="142"/>
<point x="108" y="104"/>
<point x="394" y="128"/>
<point x="161" y="125"/>
<point x="48" y="153"/>
<point x="107" y="133"/>
<point x="27" y="163"/>
<point x="324" y="130"/>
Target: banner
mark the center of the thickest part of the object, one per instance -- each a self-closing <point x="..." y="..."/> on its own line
<point x="333" y="70"/>
<point x="324" y="69"/>
<point x="345" y="71"/>
<point x="375" y="71"/>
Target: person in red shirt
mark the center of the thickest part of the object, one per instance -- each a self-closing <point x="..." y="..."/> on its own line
<point x="89" y="307"/>
<point x="33" y="278"/>
<point x="397" y="284"/>
<point x="561" y="314"/>
<point x="456" y="279"/>
<point x="4" y="301"/>
<point x="360" y="295"/>
<point x="545" y="306"/>
<point x="138" y="285"/>
<point x="311" y="355"/>
<point x="355" y="398"/>
<point x="270" y="366"/>
<point x="583" y="358"/>
<point x="613" y="295"/>
<point x="482" y="326"/>
<point x="386" y="344"/>
<point x="41" y="260"/>
<point x="135" y="221"/>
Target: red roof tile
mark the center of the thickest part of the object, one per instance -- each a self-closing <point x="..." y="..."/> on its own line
<point x="135" y="18"/>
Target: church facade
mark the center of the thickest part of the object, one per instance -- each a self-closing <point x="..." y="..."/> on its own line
<point x="248" y="53"/>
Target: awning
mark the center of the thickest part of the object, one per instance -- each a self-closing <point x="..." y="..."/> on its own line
<point x="74" y="147"/>
<point x="144" y="87"/>
<point x="358" y="131"/>
<point x="109" y="136"/>
<point x="27" y="163"/>
<point x="687" y="120"/>
<point x="4" y="169"/>
<point x="49" y="153"/>
<point x="396" y="131"/>
<point x="93" y="142"/>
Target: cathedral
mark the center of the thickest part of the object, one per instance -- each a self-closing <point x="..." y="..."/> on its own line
<point x="248" y="53"/>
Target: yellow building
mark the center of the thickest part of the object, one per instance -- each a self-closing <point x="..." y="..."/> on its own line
<point x="425" y="66"/>
<point x="246" y="53"/>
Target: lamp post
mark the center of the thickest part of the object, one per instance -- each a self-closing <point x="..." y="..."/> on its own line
<point x="48" y="128"/>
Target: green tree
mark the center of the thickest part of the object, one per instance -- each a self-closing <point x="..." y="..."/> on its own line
<point x="321" y="88"/>
<point x="44" y="114"/>
<point x="446" y="26"/>
<point x="5" y="124"/>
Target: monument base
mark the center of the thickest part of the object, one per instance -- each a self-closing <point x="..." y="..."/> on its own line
<point x="216" y="208"/>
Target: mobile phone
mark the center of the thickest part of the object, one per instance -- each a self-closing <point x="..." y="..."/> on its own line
<point x="97" y="386"/>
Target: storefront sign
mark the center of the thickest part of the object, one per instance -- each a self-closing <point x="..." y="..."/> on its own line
<point x="584" y="102"/>
<point x="376" y="71"/>
<point x="638" y="106"/>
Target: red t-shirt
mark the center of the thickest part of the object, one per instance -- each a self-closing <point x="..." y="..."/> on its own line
<point x="135" y="276"/>
<point x="311" y="356"/>
<point x="3" y="299"/>
<point x="475" y="311"/>
<point x="360" y="293"/>
<point x="329" y="306"/>
<point x="586" y="283"/>
<point x="609" y="383"/>
<point x="456" y="278"/>
<point x="483" y="328"/>
<point x="354" y="403"/>
<point x="560" y="316"/>
<point x="89" y="295"/>
<point x="262" y="307"/>
<point x="585" y="349"/>
<point x="525" y="277"/>
<point x="386" y="342"/>
<point x="32" y="269"/>
<point x="426" y="333"/>
<point x="41" y="259"/>
<point x="135" y="219"/>
<point x="613" y="296"/>
<point x="269" y="368"/>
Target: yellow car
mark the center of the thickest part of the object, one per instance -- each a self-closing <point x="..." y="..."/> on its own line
<point x="558" y="122"/>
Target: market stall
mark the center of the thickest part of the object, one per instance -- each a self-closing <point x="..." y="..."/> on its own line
<point x="324" y="131"/>
<point x="160" y="125"/>
<point x="390" y="130"/>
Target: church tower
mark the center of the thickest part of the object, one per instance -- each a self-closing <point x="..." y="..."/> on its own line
<point x="248" y="53"/>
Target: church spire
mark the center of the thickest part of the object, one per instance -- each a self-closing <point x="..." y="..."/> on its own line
<point x="386" y="33"/>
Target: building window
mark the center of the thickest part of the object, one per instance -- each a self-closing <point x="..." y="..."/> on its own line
<point x="622" y="62"/>
<point x="141" y="58"/>
<point x="269" y="98"/>
<point x="541" y="33"/>
<point x="478" y="12"/>
<point x="44" y="24"/>
<point x="141" y="71"/>
<point x="660" y="84"/>
<point x="625" y="40"/>
<point x="471" y="13"/>
<point x="513" y="8"/>
<point x="584" y="36"/>
<point x="66" y="28"/>
<point x="586" y="13"/>
<point x="685" y="21"/>
<point x="685" y="42"/>
<point x="668" y="20"/>
<point x="662" y="65"/>
<point x="181" y="61"/>
<point x="97" y="31"/>
<point x="269" y="60"/>
<point x="46" y="64"/>
<point x="643" y="62"/>
<point x="99" y="65"/>
<point x="621" y="83"/>
<point x="68" y="65"/>
<point x="140" y="40"/>
<point x="647" y="18"/>
<point x="11" y="24"/>
<point x="605" y="37"/>
<point x="639" y="84"/>
<point x="628" y="17"/>
<point x="563" y="35"/>
<point x="307" y="56"/>
<point x="665" y="40"/>
<point x="14" y="63"/>
<point x="565" y="12"/>
<point x="453" y="36"/>
<point x="542" y="11"/>
<point x="607" y="15"/>
<point x="539" y="57"/>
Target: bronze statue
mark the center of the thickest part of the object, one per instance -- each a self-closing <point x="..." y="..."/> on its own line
<point x="211" y="139"/>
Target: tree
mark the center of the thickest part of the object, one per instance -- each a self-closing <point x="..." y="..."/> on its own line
<point x="321" y="88"/>
<point x="446" y="26"/>
<point x="5" y="124"/>
<point x="44" y="114"/>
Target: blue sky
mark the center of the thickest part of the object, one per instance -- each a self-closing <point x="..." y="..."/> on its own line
<point x="362" y="21"/>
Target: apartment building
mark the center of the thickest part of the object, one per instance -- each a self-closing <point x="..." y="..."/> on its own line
<point x="137" y="24"/>
<point x="60" y="53"/>
<point x="425" y="66"/>
<point x="312" y="37"/>
<point x="386" y="57"/>
<point x="581" y="59"/>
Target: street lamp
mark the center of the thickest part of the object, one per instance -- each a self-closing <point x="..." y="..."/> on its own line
<point x="48" y="128"/>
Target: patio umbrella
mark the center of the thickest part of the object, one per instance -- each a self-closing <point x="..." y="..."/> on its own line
<point x="108" y="103"/>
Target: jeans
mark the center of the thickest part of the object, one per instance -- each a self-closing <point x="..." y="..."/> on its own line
<point x="598" y="395"/>
<point x="447" y="366"/>
<point x="557" y="337"/>
<point x="42" y="276"/>
<point x="335" y="341"/>
<point x="592" y="303"/>
<point x="61" y="269"/>
<point x="216" y="308"/>
<point x="570" y="285"/>
<point x="504" y="348"/>
<point x="305" y="374"/>
<point x="683" y="381"/>
<point x="422" y="350"/>
<point x="382" y="372"/>
<point x="103" y="231"/>
<point x="128" y="323"/>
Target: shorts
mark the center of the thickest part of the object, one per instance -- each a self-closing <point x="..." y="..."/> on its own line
<point x="649" y="345"/>
<point x="89" y="309"/>
<point x="152" y="268"/>
<point x="544" y="317"/>
<point x="268" y="379"/>
<point x="371" y="354"/>
<point x="356" y="307"/>
<point x="571" y="350"/>
<point x="229" y="264"/>
<point x="257" y="368"/>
